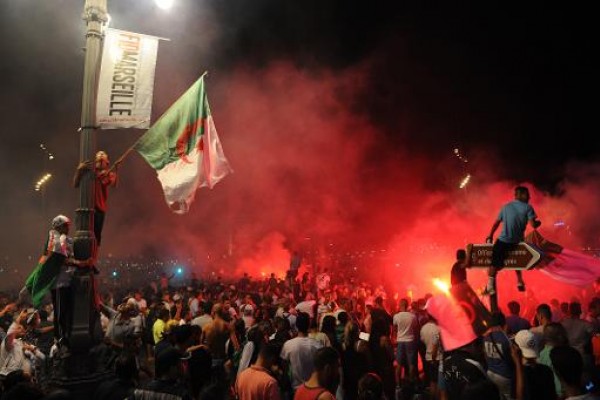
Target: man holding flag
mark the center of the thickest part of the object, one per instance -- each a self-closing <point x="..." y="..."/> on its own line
<point x="104" y="178"/>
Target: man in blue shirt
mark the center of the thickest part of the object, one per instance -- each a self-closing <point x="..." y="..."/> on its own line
<point x="498" y="357"/>
<point x="514" y="217"/>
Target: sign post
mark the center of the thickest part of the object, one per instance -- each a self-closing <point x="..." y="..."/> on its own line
<point x="522" y="258"/>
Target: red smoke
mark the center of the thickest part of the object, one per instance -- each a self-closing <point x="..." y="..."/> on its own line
<point x="308" y="164"/>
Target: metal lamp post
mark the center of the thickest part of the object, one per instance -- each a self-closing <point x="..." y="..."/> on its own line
<point x="80" y="371"/>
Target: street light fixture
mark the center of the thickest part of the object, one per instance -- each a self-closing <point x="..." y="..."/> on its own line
<point x="47" y="152"/>
<point x="164" y="4"/>
<point x="42" y="181"/>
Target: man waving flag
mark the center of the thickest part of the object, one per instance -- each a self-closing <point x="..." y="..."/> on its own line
<point x="184" y="148"/>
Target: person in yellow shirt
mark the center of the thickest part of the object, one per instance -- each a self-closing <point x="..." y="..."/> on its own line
<point x="160" y="324"/>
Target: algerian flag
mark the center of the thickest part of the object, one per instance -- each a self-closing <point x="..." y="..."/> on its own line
<point x="184" y="148"/>
<point x="43" y="276"/>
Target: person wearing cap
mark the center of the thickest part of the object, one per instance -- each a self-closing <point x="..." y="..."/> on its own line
<point x="538" y="379"/>
<point x="54" y="273"/>
<point x="105" y="177"/>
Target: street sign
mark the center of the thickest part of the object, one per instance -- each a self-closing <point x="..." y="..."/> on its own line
<point x="522" y="257"/>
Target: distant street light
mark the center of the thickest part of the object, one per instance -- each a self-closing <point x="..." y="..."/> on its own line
<point x="47" y="152"/>
<point x="42" y="181"/>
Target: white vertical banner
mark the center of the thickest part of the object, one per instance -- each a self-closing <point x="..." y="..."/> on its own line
<point x="126" y="81"/>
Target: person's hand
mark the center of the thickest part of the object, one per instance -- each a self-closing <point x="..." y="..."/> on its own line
<point x="489" y="239"/>
<point x="11" y="307"/>
<point x="29" y="347"/>
<point x="84" y="165"/>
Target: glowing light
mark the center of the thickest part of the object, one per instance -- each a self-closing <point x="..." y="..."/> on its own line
<point x="114" y="273"/>
<point x="164" y="4"/>
<point x="179" y="271"/>
<point x="42" y="181"/>
<point x="465" y="181"/>
<point x="460" y="156"/>
<point x="116" y="53"/>
<point x="442" y="285"/>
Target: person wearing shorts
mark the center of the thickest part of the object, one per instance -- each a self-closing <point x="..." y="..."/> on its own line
<point x="514" y="217"/>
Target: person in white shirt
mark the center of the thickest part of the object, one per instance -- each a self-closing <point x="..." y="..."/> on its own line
<point x="430" y="336"/>
<point x="307" y="306"/>
<point x="205" y="318"/>
<point x="140" y="302"/>
<point x="194" y="305"/>
<point x="248" y="316"/>
<point x="14" y="353"/>
<point x="298" y="353"/>
<point x="405" y="326"/>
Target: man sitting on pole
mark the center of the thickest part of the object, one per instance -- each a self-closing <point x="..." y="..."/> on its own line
<point x="514" y="217"/>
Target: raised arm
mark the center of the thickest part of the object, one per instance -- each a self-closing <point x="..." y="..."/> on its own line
<point x="81" y="168"/>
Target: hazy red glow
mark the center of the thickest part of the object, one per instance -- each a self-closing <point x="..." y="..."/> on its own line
<point x="307" y="165"/>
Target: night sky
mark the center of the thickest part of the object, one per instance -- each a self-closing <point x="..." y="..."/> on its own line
<point x="406" y="82"/>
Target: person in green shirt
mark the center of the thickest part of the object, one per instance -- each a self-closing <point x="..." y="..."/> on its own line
<point x="554" y="335"/>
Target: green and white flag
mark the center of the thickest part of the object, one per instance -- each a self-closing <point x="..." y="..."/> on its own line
<point x="184" y="148"/>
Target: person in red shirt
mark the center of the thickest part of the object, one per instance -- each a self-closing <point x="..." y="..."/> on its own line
<point x="105" y="177"/>
<point x="258" y="382"/>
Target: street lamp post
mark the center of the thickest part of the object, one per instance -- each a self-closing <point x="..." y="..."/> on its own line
<point x="80" y="371"/>
<point x="95" y="16"/>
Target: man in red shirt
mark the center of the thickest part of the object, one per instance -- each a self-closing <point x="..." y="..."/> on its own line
<point x="105" y="177"/>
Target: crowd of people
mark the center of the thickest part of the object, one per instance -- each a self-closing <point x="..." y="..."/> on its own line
<point x="306" y="338"/>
